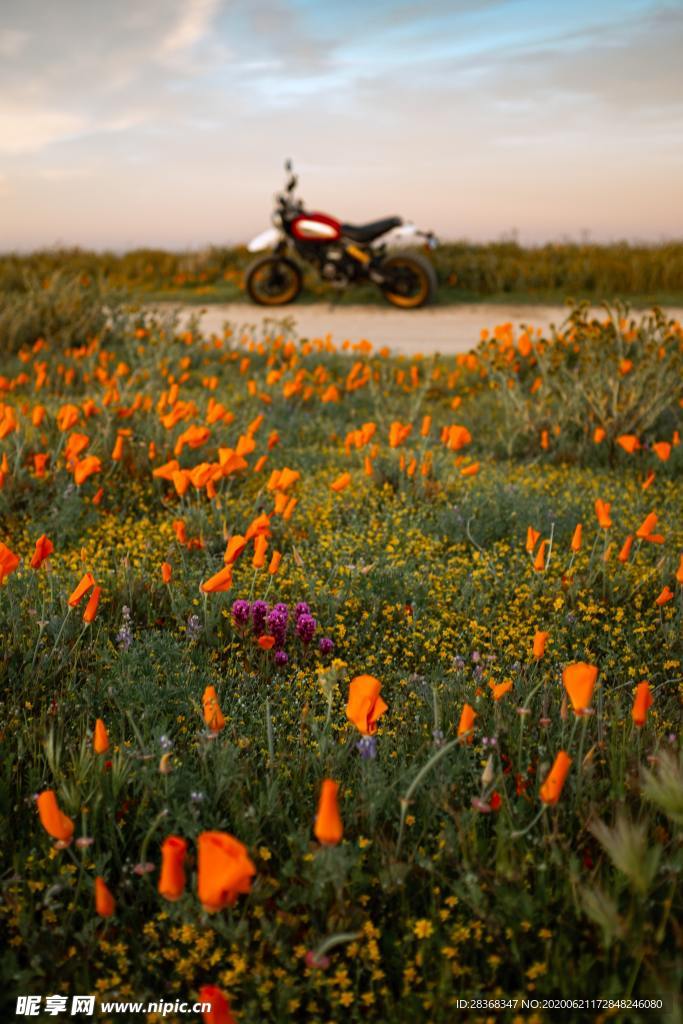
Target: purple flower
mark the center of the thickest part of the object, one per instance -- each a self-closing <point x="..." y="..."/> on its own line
<point x="194" y="627"/>
<point x="301" y="609"/>
<point x="276" y="622"/>
<point x="259" y="611"/>
<point x="124" y="637"/>
<point x="306" y="627"/>
<point x="240" y="612"/>
<point x="367" y="747"/>
<point x="325" y="645"/>
<point x="281" y="658"/>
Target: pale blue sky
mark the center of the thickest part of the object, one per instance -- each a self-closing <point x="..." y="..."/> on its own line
<point x="166" y="122"/>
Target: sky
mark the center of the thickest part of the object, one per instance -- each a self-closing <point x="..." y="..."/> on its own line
<point x="167" y="122"/>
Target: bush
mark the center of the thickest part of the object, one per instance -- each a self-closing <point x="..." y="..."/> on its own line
<point x="65" y="308"/>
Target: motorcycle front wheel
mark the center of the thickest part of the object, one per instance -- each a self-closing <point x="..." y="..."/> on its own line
<point x="273" y="280"/>
<point x="410" y="280"/>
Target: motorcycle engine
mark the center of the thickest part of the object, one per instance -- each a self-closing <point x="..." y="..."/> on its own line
<point x="332" y="267"/>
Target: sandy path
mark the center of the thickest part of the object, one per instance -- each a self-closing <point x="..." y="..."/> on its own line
<point x="445" y="329"/>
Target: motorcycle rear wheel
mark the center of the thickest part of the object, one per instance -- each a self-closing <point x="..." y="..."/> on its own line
<point x="273" y="280"/>
<point x="411" y="280"/>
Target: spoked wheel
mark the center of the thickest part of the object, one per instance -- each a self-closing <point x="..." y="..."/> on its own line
<point x="411" y="281"/>
<point x="273" y="281"/>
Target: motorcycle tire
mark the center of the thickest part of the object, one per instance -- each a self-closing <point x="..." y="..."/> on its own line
<point x="412" y="280"/>
<point x="273" y="280"/>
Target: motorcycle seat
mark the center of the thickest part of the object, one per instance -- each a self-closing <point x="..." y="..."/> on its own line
<point x="368" y="232"/>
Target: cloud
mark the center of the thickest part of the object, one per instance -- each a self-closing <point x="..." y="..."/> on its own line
<point x="28" y="130"/>
<point x="192" y="25"/>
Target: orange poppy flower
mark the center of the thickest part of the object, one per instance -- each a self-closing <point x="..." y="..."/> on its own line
<point x="117" y="453"/>
<point x="105" y="904"/>
<point x="540" y="639"/>
<point x="167" y="471"/>
<point x="166" y="572"/>
<point x="43" y="550"/>
<point x="289" y="510"/>
<point x="466" y="724"/>
<point x="220" y="1007"/>
<point x="100" y="743"/>
<point x="629" y="442"/>
<point x="599" y="435"/>
<point x="665" y="596"/>
<point x="224" y="870"/>
<point x="642" y="701"/>
<point x="213" y="716"/>
<point x="648" y="481"/>
<point x="328" y="828"/>
<point x="180" y="531"/>
<point x="679" y="570"/>
<point x="87" y="581"/>
<point x="220" y="581"/>
<point x="539" y="561"/>
<point x="579" y="682"/>
<point x="55" y="822"/>
<point x="259" y="525"/>
<point x="172" y="875"/>
<point x="181" y="481"/>
<point x="8" y="561"/>
<point x="194" y="437"/>
<point x="398" y="433"/>
<point x="577" y="537"/>
<point x="236" y="546"/>
<point x="67" y="417"/>
<point x="274" y="563"/>
<point x="365" y="706"/>
<point x="457" y="437"/>
<point x="266" y="642"/>
<point x="552" y="787"/>
<point x="91" y="607"/>
<point x="260" y="548"/>
<point x="602" y="509"/>
<point x="470" y="470"/>
<point x="645" y="529"/>
<point x="76" y="444"/>
<point x="500" y="689"/>
<point x="532" y="537"/>
<point x="662" y="450"/>
<point x="426" y="426"/>
<point x="85" y="468"/>
<point x="40" y="461"/>
<point x="341" y="482"/>
<point x="626" y="549"/>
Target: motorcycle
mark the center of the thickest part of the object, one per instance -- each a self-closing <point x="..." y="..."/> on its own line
<point x="343" y="254"/>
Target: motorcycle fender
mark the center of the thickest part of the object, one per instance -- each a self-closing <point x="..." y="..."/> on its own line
<point x="399" y="236"/>
<point x="268" y="239"/>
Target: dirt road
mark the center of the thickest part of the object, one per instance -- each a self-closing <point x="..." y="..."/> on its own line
<point x="444" y="329"/>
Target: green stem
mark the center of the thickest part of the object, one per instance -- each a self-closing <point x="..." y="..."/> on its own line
<point x="405" y="800"/>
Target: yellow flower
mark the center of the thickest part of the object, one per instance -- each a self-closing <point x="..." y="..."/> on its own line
<point x="423" y="928"/>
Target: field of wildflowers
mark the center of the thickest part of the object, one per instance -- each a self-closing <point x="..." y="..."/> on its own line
<point x="342" y="686"/>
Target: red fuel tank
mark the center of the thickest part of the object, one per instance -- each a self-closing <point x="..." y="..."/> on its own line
<point x="315" y="227"/>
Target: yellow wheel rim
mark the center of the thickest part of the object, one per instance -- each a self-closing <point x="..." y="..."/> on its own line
<point x="410" y="301"/>
<point x="276" y="300"/>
